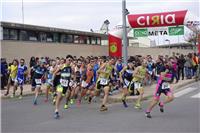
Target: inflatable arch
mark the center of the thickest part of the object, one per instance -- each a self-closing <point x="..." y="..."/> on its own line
<point x="150" y="20"/>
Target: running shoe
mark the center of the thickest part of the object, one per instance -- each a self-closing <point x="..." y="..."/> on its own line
<point x="103" y="108"/>
<point x="6" y="94"/>
<point x="66" y="106"/>
<point x="12" y="96"/>
<point x="161" y="107"/>
<point x="72" y="101"/>
<point x="89" y="100"/>
<point x="56" y="115"/>
<point x="124" y="103"/>
<point x="137" y="106"/>
<point x="20" y="97"/>
<point x="78" y="102"/>
<point x="147" y="114"/>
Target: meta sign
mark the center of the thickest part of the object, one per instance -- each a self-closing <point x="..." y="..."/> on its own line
<point x="157" y="19"/>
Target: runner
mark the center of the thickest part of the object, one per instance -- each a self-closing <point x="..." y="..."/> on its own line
<point x="126" y="76"/>
<point x="161" y="87"/>
<point x="105" y="71"/>
<point x="64" y="86"/>
<point x="12" y="75"/>
<point x="38" y="76"/>
<point x="20" y="78"/>
<point x="49" y="80"/>
<point x="139" y="76"/>
<point x="87" y="82"/>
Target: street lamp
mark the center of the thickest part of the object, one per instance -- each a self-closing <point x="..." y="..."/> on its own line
<point x="124" y="38"/>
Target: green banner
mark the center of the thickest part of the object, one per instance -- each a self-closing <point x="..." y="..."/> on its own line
<point x="140" y="32"/>
<point x="174" y="31"/>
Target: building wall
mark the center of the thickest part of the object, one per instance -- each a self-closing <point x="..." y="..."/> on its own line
<point x="14" y="49"/>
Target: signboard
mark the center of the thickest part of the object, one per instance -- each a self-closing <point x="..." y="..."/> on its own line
<point x="157" y="19"/>
<point x="178" y="30"/>
<point x="171" y="31"/>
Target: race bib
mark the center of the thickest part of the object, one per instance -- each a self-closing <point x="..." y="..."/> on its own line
<point x="150" y="72"/>
<point x="38" y="81"/>
<point x="126" y="82"/>
<point x="103" y="81"/>
<point x="165" y="86"/>
<point x="84" y="84"/>
<point x="137" y="85"/>
<point x="64" y="82"/>
<point x="20" y="80"/>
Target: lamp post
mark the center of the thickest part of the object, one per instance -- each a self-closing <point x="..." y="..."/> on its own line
<point x="124" y="38"/>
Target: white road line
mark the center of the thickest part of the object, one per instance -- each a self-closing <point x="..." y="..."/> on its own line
<point x="196" y="96"/>
<point x="185" y="91"/>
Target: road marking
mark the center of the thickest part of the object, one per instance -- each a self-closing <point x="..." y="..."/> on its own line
<point x="185" y="91"/>
<point x="196" y="96"/>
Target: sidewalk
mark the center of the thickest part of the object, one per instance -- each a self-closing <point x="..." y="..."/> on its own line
<point x="149" y="90"/>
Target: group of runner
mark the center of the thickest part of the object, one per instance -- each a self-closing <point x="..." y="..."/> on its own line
<point x="76" y="78"/>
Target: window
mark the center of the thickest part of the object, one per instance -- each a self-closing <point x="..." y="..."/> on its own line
<point x="23" y="35"/>
<point x="98" y="40"/>
<point x="43" y="36"/>
<point x="76" y="39"/>
<point x="32" y="36"/>
<point x="89" y="40"/>
<point x="83" y="39"/>
<point x="49" y="37"/>
<point x="56" y="37"/>
<point x="67" y="38"/>
<point x="13" y="34"/>
<point x="93" y="40"/>
<point x="5" y="34"/>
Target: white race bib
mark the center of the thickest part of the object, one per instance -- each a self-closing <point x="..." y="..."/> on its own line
<point x="165" y="86"/>
<point x="126" y="82"/>
<point x="137" y="85"/>
<point x="103" y="81"/>
<point x="84" y="84"/>
<point x="38" y="81"/>
<point x="20" y="80"/>
<point x="64" y="82"/>
<point x="150" y="72"/>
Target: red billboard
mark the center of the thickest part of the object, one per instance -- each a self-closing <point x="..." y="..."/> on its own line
<point x="157" y="19"/>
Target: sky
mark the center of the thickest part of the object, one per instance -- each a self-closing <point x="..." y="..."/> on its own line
<point x="86" y="14"/>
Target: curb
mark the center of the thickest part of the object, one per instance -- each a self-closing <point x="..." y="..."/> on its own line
<point x="148" y="96"/>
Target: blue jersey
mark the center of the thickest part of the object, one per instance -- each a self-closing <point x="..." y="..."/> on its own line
<point x="96" y="67"/>
<point x="119" y="67"/>
<point x="39" y="72"/>
<point x="20" y="72"/>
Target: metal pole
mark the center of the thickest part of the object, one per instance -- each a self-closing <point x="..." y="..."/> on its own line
<point x="22" y="11"/>
<point x="124" y="40"/>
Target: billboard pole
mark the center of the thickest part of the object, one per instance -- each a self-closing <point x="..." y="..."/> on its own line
<point x="124" y="40"/>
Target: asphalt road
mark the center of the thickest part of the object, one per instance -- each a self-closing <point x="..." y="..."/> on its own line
<point x="182" y="115"/>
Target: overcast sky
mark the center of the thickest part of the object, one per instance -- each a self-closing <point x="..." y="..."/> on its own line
<point x="85" y="15"/>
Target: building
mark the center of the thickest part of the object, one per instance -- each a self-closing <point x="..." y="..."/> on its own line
<point x="24" y="32"/>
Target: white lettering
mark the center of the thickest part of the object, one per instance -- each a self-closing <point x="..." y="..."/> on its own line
<point x="170" y="16"/>
<point x="139" y="20"/>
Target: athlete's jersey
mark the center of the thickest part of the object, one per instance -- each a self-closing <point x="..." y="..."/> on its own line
<point x="65" y="75"/>
<point x="150" y="67"/>
<point x="128" y="74"/>
<point x="95" y="69"/>
<point x="50" y="72"/>
<point x="39" y="72"/>
<point x="21" y="71"/>
<point x="77" y="74"/>
<point x="89" y="75"/>
<point x="119" y="67"/>
<point x="106" y="72"/>
<point x="13" y="71"/>
<point x="141" y="72"/>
